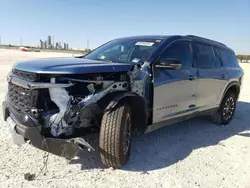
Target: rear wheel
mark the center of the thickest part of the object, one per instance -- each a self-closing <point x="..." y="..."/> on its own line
<point x="227" y="108"/>
<point x="115" y="136"/>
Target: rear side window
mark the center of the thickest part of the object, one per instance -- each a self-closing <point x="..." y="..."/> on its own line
<point x="217" y="58"/>
<point x="228" y="58"/>
<point x="179" y="50"/>
<point x="204" y="56"/>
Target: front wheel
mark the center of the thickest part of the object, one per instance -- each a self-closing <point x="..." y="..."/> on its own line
<point x="115" y="136"/>
<point x="227" y="108"/>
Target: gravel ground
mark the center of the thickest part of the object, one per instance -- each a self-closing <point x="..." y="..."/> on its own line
<point x="195" y="153"/>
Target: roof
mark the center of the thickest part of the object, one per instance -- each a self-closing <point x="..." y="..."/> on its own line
<point x="145" y="37"/>
<point x="197" y="38"/>
<point x="175" y="37"/>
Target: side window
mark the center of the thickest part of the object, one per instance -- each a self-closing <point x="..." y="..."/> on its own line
<point x="228" y="58"/>
<point x="179" y="50"/>
<point x="217" y="58"/>
<point x="204" y="56"/>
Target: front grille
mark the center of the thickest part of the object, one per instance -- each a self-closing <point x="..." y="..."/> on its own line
<point x="21" y="98"/>
<point x="29" y="76"/>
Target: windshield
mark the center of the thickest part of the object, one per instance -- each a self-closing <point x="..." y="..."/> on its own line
<point x="125" y="50"/>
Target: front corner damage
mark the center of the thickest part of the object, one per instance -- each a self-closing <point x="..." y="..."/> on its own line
<point x="76" y="112"/>
<point x="77" y="101"/>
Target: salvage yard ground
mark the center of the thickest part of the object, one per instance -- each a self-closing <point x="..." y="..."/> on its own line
<point x="195" y="153"/>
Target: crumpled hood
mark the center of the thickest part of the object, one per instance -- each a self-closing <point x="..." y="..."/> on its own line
<point x="70" y="66"/>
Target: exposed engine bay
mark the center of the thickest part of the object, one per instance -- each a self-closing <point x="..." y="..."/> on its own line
<point x="79" y="111"/>
<point x="66" y="109"/>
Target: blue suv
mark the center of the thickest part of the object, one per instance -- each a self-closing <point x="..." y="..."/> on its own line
<point x="128" y="85"/>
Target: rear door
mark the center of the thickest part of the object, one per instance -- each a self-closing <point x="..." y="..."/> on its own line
<point x="212" y="76"/>
<point x="175" y="90"/>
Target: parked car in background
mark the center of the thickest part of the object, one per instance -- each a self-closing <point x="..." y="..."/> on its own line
<point x="134" y="84"/>
<point x="245" y="61"/>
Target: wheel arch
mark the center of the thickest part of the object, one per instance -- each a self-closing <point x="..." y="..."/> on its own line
<point x="232" y="87"/>
<point x="138" y="109"/>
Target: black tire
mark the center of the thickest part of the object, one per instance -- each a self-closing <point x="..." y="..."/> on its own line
<point x="114" y="143"/>
<point x="227" y="108"/>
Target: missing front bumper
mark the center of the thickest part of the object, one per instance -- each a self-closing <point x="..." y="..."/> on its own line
<point x="67" y="148"/>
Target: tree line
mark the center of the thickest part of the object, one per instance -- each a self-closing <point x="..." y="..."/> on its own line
<point x="243" y="57"/>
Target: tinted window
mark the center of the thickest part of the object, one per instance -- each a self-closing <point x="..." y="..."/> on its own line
<point x="204" y="56"/>
<point x="179" y="50"/>
<point x="228" y="58"/>
<point x="217" y="58"/>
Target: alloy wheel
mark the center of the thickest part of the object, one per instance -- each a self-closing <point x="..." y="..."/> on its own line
<point x="229" y="108"/>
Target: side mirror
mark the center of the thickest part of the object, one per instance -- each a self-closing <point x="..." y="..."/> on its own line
<point x="169" y="64"/>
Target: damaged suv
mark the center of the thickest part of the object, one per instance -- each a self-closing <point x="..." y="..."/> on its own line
<point x="128" y="85"/>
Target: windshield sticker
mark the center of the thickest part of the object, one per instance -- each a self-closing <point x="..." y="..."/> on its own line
<point x="144" y="43"/>
<point x="158" y="41"/>
<point x="135" y="60"/>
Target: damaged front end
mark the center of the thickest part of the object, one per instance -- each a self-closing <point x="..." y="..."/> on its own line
<point x="54" y="112"/>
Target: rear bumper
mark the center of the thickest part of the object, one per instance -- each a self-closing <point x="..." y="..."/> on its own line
<point x="24" y="128"/>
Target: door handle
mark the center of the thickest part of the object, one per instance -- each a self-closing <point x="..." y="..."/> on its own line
<point x="191" y="77"/>
<point x="223" y="76"/>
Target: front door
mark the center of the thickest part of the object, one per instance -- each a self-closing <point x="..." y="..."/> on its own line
<point x="175" y="90"/>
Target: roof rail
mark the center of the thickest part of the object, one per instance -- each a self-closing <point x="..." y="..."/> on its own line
<point x="193" y="36"/>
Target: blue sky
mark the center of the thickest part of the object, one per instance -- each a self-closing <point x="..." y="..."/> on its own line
<point x="76" y="21"/>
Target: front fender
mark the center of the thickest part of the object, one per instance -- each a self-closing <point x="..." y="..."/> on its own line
<point x="119" y="97"/>
<point x="138" y="107"/>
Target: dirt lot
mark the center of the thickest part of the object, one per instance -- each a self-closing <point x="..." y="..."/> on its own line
<point x="196" y="153"/>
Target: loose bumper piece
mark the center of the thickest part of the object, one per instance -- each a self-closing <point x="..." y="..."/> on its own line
<point x="67" y="148"/>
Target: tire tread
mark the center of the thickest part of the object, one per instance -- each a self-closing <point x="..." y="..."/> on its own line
<point x="109" y="140"/>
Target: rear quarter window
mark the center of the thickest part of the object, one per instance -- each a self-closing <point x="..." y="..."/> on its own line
<point x="228" y="58"/>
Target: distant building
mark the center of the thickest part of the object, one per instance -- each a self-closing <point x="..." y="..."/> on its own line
<point x="59" y="45"/>
<point x="49" y="40"/>
<point x="48" y="44"/>
<point x="41" y="44"/>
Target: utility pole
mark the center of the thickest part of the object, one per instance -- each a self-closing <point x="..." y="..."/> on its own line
<point x="0" y="40"/>
<point x="88" y="44"/>
<point x="21" y="42"/>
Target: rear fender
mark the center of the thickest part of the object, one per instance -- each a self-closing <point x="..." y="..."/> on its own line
<point x="230" y="85"/>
